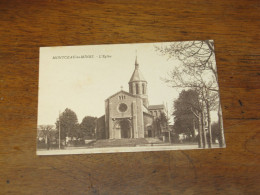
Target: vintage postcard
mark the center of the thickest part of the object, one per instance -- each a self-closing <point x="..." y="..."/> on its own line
<point x="128" y="98"/>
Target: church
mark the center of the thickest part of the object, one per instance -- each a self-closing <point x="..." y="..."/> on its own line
<point x="128" y="114"/>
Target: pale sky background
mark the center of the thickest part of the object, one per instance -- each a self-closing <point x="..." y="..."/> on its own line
<point x="82" y="85"/>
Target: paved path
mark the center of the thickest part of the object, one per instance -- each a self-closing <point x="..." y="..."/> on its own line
<point x="117" y="149"/>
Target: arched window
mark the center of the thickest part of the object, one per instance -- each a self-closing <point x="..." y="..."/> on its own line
<point x="137" y="88"/>
<point x="143" y="88"/>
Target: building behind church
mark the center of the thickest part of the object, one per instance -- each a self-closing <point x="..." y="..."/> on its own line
<point x="128" y="114"/>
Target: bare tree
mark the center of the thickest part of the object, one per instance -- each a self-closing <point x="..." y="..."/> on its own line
<point x="198" y="71"/>
<point x="182" y="77"/>
<point x="47" y="133"/>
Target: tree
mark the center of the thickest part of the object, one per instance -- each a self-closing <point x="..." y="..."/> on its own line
<point x="163" y="120"/>
<point x="185" y="121"/>
<point x="68" y="124"/>
<point x="199" y="72"/>
<point x="216" y="133"/>
<point x="161" y="123"/>
<point x="88" y="126"/>
<point x="47" y="133"/>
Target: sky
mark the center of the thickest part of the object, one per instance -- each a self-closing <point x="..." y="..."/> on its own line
<point x="83" y="84"/>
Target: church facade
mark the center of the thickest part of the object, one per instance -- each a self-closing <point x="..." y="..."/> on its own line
<point x="128" y="114"/>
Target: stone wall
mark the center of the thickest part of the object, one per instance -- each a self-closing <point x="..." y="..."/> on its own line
<point x="133" y="112"/>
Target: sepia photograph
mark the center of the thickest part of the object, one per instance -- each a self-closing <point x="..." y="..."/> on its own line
<point x="128" y="98"/>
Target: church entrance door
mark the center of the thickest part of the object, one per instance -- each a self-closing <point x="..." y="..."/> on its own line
<point x="125" y="128"/>
<point x="149" y="133"/>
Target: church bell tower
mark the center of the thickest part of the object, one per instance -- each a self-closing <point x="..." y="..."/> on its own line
<point x="138" y="84"/>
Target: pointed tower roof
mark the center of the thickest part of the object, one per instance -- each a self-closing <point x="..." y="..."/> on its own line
<point x="137" y="75"/>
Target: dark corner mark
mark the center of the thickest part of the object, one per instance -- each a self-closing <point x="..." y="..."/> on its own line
<point x="240" y="102"/>
<point x="7" y="181"/>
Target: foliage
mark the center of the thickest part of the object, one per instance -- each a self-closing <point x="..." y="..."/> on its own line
<point x="183" y="115"/>
<point x="163" y="119"/>
<point x="69" y="126"/>
<point x="88" y="126"/>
